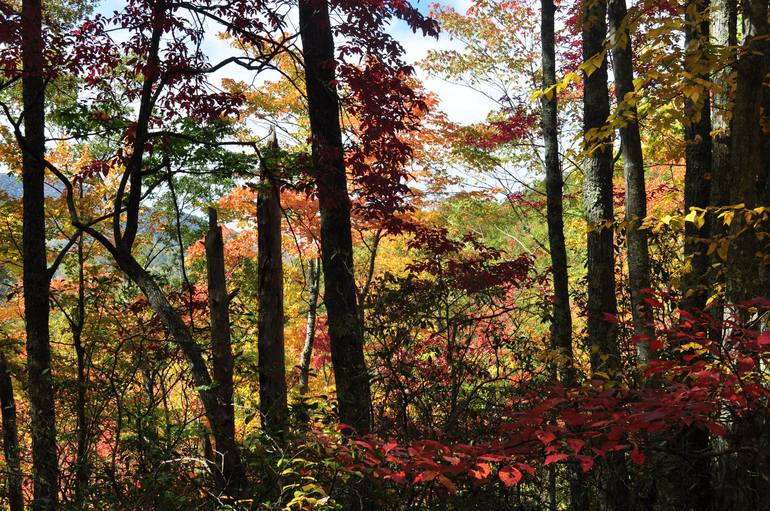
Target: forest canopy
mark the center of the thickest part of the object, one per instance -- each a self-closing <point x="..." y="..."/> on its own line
<point x="382" y="255"/>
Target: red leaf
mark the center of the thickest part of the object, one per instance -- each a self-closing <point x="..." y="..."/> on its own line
<point x="424" y="477"/>
<point x="546" y="437"/>
<point x="586" y="463"/>
<point x="638" y="457"/>
<point x="575" y="444"/>
<point x="763" y="339"/>
<point x="509" y="476"/>
<point x="555" y="458"/>
<point x="481" y="471"/>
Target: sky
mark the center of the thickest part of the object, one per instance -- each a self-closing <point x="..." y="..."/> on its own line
<point x="461" y="104"/>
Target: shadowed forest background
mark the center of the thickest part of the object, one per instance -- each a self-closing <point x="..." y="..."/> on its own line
<point x="252" y="259"/>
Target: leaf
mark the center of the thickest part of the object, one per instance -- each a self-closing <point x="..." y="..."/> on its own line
<point x="546" y="437"/>
<point x="555" y="458"/>
<point x="509" y="476"/>
<point x="637" y="456"/>
<point x="424" y="477"/>
<point x="575" y="444"/>
<point x="481" y="471"/>
<point x="763" y="339"/>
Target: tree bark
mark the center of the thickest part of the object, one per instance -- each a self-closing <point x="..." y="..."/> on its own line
<point x="10" y="439"/>
<point x="724" y="20"/>
<point x="691" y="474"/>
<point x="597" y="198"/>
<point x="633" y="165"/>
<point x="313" y="283"/>
<point x="561" y="323"/>
<point x="45" y="471"/>
<point x="697" y="184"/>
<point x="227" y="454"/>
<point x="272" y="356"/>
<point x="747" y="165"/>
<point x="345" y="329"/>
<point x="744" y="267"/>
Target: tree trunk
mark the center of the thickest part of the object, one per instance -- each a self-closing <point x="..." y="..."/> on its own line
<point x="744" y="267"/>
<point x="597" y="197"/>
<point x="45" y="471"/>
<point x="691" y="475"/>
<point x="313" y="283"/>
<point x="227" y="455"/>
<point x="10" y="439"/>
<point x="697" y="184"/>
<point x="724" y="16"/>
<point x="561" y="323"/>
<point x="272" y="356"/>
<point x="746" y="152"/>
<point x="633" y="165"/>
<point x="345" y="329"/>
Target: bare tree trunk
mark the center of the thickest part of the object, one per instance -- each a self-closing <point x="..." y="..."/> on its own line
<point x="313" y="283"/>
<point x="345" y="329"/>
<point x="747" y="166"/>
<point x="45" y="471"/>
<point x="227" y="455"/>
<point x="691" y="475"/>
<point x="597" y="197"/>
<point x="744" y="267"/>
<point x="633" y="164"/>
<point x="272" y="356"/>
<point x="724" y="20"/>
<point x="697" y="155"/>
<point x="561" y="324"/>
<point x="10" y="438"/>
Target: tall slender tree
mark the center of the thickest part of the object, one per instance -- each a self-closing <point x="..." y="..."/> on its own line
<point x="746" y="157"/>
<point x="45" y="470"/>
<point x="637" y="250"/>
<point x="597" y="199"/>
<point x="748" y="176"/>
<point x="345" y="328"/>
<point x="691" y="473"/>
<point x="597" y="195"/>
<point x="232" y="473"/>
<point x="270" y="343"/>
<point x="561" y="326"/>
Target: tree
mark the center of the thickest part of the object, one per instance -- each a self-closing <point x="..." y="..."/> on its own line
<point x="36" y="276"/>
<point x="562" y="316"/>
<point x="597" y="198"/>
<point x="232" y="474"/>
<point x="633" y="163"/>
<point x="345" y="329"/>
<point x="313" y="281"/>
<point x="272" y="357"/>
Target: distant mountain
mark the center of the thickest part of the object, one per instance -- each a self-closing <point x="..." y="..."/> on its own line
<point x="10" y="185"/>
